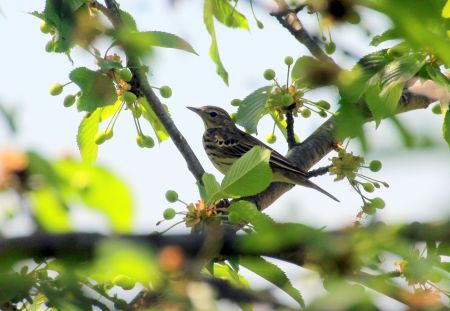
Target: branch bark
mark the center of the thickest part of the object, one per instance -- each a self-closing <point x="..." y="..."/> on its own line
<point x="141" y="84"/>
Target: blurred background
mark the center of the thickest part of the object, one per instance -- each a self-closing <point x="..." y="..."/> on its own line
<point x="418" y="176"/>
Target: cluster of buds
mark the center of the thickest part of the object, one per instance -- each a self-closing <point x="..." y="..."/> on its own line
<point x="346" y="165"/>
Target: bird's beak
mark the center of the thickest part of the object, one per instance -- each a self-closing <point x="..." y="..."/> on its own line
<point x="196" y="110"/>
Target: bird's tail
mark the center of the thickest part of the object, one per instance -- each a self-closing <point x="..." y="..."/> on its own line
<point x="310" y="184"/>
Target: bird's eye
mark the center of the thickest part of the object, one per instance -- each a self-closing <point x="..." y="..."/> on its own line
<point x="213" y="114"/>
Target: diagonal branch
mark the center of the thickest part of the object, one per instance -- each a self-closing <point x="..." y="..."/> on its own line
<point x="288" y="19"/>
<point x="140" y="83"/>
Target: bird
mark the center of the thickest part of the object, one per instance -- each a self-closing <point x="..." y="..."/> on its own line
<point x="224" y="143"/>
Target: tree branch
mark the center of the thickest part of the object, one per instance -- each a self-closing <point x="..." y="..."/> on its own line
<point x="288" y="19"/>
<point x="142" y="85"/>
<point x="305" y="250"/>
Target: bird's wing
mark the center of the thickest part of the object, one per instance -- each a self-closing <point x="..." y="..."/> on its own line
<point x="237" y="143"/>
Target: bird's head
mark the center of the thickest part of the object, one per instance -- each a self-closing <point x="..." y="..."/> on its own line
<point x="213" y="117"/>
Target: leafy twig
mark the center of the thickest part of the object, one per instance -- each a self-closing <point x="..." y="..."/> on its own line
<point x="142" y="84"/>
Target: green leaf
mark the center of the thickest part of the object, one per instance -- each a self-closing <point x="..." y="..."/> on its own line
<point x="212" y="188"/>
<point x="420" y="24"/>
<point x="62" y="15"/>
<point x="149" y="114"/>
<point x="383" y="103"/>
<point x="86" y="136"/>
<point x="89" y="127"/>
<point x="250" y="174"/>
<point x="446" y="10"/>
<point x="446" y="127"/>
<point x="225" y="272"/>
<point x="435" y="74"/>
<point x="100" y="189"/>
<point x="309" y="73"/>
<point x="97" y="89"/>
<point x="208" y="19"/>
<point x="349" y="123"/>
<point x="399" y="70"/>
<point x="228" y="15"/>
<point x="50" y="210"/>
<point x="273" y="274"/>
<point x="248" y="212"/>
<point x="252" y="109"/>
<point x="389" y="34"/>
<point x="140" y="42"/>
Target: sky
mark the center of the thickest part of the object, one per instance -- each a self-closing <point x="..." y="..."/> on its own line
<point x="418" y="178"/>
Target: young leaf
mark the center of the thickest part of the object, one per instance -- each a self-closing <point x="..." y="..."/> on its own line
<point x="212" y="187"/>
<point x="248" y="175"/>
<point x="97" y="89"/>
<point x="384" y="103"/>
<point x="98" y="188"/>
<point x="149" y="114"/>
<point x="140" y="42"/>
<point x="89" y="127"/>
<point x="389" y="34"/>
<point x="208" y="19"/>
<point x="86" y="136"/>
<point x="50" y="210"/>
<point x="251" y="108"/>
<point x="273" y="274"/>
<point x="309" y="73"/>
<point x="228" y="15"/>
<point x="247" y="211"/>
<point x="446" y="127"/>
<point x="62" y="16"/>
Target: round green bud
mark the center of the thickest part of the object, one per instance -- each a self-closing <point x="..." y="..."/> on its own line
<point x="169" y="213"/>
<point x="287" y="99"/>
<point x="436" y="109"/>
<point x="375" y="165"/>
<point x="165" y="91"/>
<point x="44" y="27"/>
<point x="369" y="209"/>
<point x="233" y="116"/>
<point x="100" y="137"/>
<point x="330" y="47"/>
<point x="236" y="102"/>
<point x="368" y="187"/>
<point x="260" y="24"/>
<point x="50" y="46"/>
<point x="354" y="18"/>
<point x="269" y="74"/>
<point x="377" y="203"/>
<point x="140" y="141"/>
<point x="234" y="217"/>
<point x="125" y="74"/>
<point x="109" y="133"/>
<point x="148" y="141"/>
<point x="69" y="100"/>
<point x="271" y="138"/>
<point x="129" y="97"/>
<point x="306" y="113"/>
<point x="288" y="60"/>
<point x="323" y="104"/>
<point x="171" y="196"/>
<point x="124" y="281"/>
<point x="56" y="89"/>
<point x="323" y="114"/>
<point x="137" y="111"/>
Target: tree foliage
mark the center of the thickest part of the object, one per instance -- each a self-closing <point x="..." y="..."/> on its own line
<point x="57" y="268"/>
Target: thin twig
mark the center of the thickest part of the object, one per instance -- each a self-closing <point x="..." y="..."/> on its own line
<point x="318" y="172"/>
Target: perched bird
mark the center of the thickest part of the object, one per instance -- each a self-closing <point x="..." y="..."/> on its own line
<point x="224" y="143"/>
